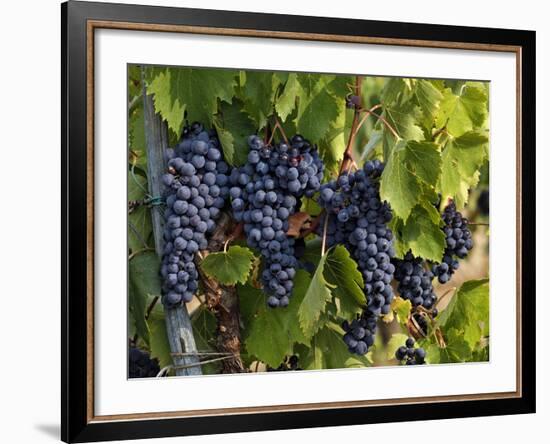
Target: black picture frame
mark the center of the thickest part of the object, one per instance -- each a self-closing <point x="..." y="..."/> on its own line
<point x="76" y="423"/>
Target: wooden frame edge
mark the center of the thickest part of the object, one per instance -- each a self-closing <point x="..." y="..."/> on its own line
<point x="96" y="24"/>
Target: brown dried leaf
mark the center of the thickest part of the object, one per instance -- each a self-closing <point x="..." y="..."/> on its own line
<point x="296" y="222"/>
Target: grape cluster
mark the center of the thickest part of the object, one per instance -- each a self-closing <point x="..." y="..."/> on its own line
<point x="265" y="192"/>
<point x="196" y="189"/>
<point x="360" y="333"/>
<point x="408" y="355"/>
<point x="414" y="281"/>
<point x="458" y="242"/>
<point x="289" y="364"/>
<point x="140" y="364"/>
<point x="358" y="219"/>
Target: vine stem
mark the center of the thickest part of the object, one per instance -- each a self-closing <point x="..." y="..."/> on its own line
<point x="348" y="159"/>
<point x="440" y="298"/>
<point x="369" y="112"/>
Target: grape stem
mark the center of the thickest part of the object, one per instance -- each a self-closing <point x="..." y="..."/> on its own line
<point x="439" y="299"/>
<point x="277" y="126"/>
<point x="348" y="159"/>
<point x="440" y="339"/>
<point x="443" y="129"/>
<point x="369" y="112"/>
<point x="150" y="307"/>
<point x="323" y="242"/>
<point x="143" y="250"/>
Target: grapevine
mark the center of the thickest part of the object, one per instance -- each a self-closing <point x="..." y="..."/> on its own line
<point x="336" y="225"/>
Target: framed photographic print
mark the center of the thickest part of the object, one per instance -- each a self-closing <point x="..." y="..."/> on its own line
<point x="276" y="221"/>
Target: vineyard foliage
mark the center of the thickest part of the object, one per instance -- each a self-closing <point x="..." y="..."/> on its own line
<point x="433" y="138"/>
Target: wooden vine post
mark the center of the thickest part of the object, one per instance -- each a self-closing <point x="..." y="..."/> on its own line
<point x="178" y="324"/>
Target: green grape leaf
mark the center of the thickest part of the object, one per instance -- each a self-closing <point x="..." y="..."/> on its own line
<point x="160" y="347"/>
<point x="192" y="90"/>
<point x="456" y="350"/>
<point x="396" y="225"/>
<point x="315" y="300"/>
<point x="333" y="145"/>
<point x="411" y="167"/>
<point x="404" y="119"/>
<point x="461" y="160"/>
<point x="271" y="334"/>
<point x="139" y="220"/>
<point x="229" y="267"/>
<point x="204" y="329"/>
<point x="199" y="89"/>
<point x="171" y="110"/>
<point x="428" y="98"/>
<point x="310" y="206"/>
<point x="375" y="138"/>
<point x="136" y="139"/>
<point x="341" y="272"/>
<point x="328" y="351"/>
<point x="258" y="93"/>
<point x="396" y="89"/>
<point x="286" y="102"/>
<point x="134" y="81"/>
<point x="312" y="253"/>
<point x="233" y="127"/>
<point x="468" y="311"/>
<point x="481" y="354"/>
<point x="397" y="340"/>
<point x="465" y="111"/>
<point x="317" y="108"/>
<point x="144" y="282"/>
<point x="422" y="236"/>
